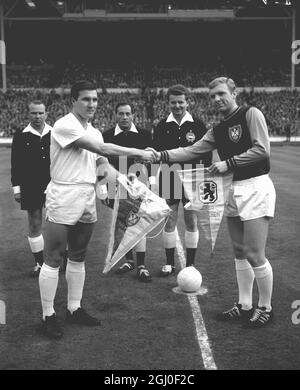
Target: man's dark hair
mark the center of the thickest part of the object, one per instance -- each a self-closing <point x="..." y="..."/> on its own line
<point x="178" y="90"/>
<point x="82" y="85"/>
<point x="120" y="104"/>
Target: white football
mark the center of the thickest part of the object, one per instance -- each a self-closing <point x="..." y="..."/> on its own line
<point x="189" y="279"/>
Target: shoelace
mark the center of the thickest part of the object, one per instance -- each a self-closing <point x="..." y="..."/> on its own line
<point x="143" y="271"/>
<point x="262" y="315"/>
<point x="233" y="312"/>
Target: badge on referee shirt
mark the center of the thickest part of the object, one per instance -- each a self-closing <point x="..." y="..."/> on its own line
<point x="235" y="133"/>
<point x="190" y="136"/>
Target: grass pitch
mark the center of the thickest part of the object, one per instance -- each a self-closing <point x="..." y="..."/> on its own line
<point x="147" y="326"/>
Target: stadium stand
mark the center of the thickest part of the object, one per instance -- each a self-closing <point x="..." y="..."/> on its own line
<point x="138" y="76"/>
<point x="137" y="66"/>
<point x="279" y="108"/>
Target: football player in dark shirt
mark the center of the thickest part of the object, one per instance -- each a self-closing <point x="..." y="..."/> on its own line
<point x="242" y="142"/>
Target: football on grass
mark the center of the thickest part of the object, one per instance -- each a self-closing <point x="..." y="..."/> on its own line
<point x="189" y="279"/>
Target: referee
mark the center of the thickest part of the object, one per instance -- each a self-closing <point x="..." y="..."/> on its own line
<point x="30" y="175"/>
<point x="126" y="134"/>
<point x="179" y="129"/>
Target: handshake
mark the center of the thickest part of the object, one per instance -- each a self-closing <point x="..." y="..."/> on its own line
<point x="150" y="155"/>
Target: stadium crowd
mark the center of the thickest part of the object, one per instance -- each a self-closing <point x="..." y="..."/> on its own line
<point x="280" y="108"/>
<point x="136" y="76"/>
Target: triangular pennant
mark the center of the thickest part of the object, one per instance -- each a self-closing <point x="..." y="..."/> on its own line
<point x="207" y="193"/>
<point x="133" y="218"/>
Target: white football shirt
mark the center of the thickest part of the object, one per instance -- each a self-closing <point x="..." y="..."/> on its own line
<point x="71" y="164"/>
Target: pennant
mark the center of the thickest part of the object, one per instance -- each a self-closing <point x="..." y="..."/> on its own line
<point x="207" y="193"/>
<point x="133" y="218"/>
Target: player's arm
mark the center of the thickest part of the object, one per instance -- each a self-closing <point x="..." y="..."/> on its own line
<point x="152" y="169"/>
<point x="106" y="171"/>
<point x="206" y="144"/>
<point x="96" y="145"/>
<point x="260" y="149"/>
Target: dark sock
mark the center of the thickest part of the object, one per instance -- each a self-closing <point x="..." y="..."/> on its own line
<point x="140" y="258"/>
<point x="170" y="253"/>
<point x="129" y="255"/>
<point x="39" y="257"/>
<point x="190" y="256"/>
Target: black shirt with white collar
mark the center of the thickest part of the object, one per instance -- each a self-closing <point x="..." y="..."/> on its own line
<point x="170" y="135"/>
<point x="30" y="159"/>
<point x="134" y="138"/>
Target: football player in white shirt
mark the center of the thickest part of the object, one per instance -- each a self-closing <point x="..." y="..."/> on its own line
<point x="76" y="150"/>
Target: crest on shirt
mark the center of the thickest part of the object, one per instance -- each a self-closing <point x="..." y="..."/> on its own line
<point x="208" y="191"/>
<point x="132" y="219"/>
<point x="190" y="136"/>
<point x="235" y="133"/>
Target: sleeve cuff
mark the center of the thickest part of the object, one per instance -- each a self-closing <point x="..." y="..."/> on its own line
<point x="16" y="189"/>
<point x="152" y="180"/>
<point x="164" y="156"/>
<point x="231" y="163"/>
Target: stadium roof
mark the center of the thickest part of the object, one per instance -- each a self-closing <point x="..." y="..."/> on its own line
<point x="147" y="9"/>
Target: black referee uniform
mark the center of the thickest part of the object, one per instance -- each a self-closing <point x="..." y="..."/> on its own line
<point x="139" y="139"/>
<point x="170" y="135"/>
<point x="30" y="166"/>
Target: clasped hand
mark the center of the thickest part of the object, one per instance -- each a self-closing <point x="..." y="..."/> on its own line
<point x="218" y="167"/>
<point x="149" y="155"/>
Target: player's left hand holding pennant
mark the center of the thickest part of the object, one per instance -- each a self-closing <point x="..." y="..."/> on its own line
<point x="218" y="167"/>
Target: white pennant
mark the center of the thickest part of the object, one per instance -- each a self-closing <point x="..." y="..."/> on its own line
<point x="207" y="193"/>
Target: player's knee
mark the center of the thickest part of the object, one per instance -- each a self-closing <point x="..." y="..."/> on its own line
<point x="53" y="261"/>
<point x="35" y="229"/>
<point x="54" y="258"/>
<point x="191" y="222"/>
<point x="76" y="254"/>
<point x="191" y="226"/>
<point x="239" y="250"/>
<point x="254" y="256"/>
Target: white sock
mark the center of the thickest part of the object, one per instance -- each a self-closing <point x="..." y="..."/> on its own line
<point x="245" y="278"/>
<point x="48" y="281"/>
<point x="36" y="243"/>
<point x="75" y="276"/>
<point x="264" y="280"/>
<point x="141" y="245"/>
<point x="169" y="239"/>
<point x="191" y="239"/>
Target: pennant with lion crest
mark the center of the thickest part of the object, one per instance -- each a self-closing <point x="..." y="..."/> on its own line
<point x="207" y="193"/>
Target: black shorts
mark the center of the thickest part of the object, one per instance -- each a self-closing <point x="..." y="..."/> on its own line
<point x="32" y="198"/>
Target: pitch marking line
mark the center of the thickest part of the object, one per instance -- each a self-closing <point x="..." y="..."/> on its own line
<point x="202" y="338"/>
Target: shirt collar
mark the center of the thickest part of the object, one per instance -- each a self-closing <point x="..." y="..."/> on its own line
<point x="30" y="129"/>
<point x="187" y="118"/>
<point x="118" y="130"/>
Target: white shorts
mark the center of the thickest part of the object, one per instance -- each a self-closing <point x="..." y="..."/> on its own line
<point x="251" y="198"/>
<point x="68" y="204"/>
